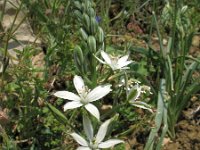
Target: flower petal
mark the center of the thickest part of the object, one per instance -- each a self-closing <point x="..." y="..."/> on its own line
<point x="79" y="139"/>
<point x="102" y="131"/>
<point x="72" y="105"/>
<point x="134" y="93"/>
<point x="123" y="59"/>
<point x="123" y="68"/>
<point x="87" y="125"/>
<point x="106" y="57"/>
<point x="101" y="61"/>
<point x="79" y="84"/>
<point x="125" y="63"/>
<point x="98" y="92"/>
<point x="83" y="148"/>
<point x="93" y="110"/>
<point x="110" y="143"/>
<point x="67" y="95"/>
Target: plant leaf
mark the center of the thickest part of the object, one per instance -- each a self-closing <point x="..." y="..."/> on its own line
<point x="58" y="115"/>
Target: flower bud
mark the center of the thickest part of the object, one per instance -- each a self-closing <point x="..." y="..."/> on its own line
<point x="93" y="25"/>
<point x="83" y="34"/>
<point x="92" y="44"/>
<point x="86" y="22"/>
<point x="100" y="35"/>
<point x="78" y="57"/>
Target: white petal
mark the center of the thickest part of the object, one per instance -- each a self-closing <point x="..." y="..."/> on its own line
<point x="98" y="92"/>
<point x="83" y="148"/>
<point x="87" y="125"/>
<point x="79" y="139"/>
<point x="79" y="84"/>
<point x="122" y="64"/>
<point x="67" y="95"/>
<point x="72" y="105"/>
<point x="123" y="59"/>
<point x="123" y="68"/>
<point x="114" y="67"/>
<point x="109" y="143"/>
<point x="106" y="57"/>
<point x="102" y="131"/>
<point x="93" y="110"/>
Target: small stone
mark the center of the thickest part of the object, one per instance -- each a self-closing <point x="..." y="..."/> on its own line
<point x="196" y="41"/>
<point x="164" y="42"/>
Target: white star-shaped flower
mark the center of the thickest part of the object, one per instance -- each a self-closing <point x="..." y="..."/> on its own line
<point x="115" y="63"/>
<point x="134" y="94"/>
<point x="94" y="142"/>
<point x="84" y="97"/>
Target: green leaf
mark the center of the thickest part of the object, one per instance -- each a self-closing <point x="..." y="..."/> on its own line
<point x="58" y="115"/>
<point x="161" y="118"/>
<point x="142" y="105"/>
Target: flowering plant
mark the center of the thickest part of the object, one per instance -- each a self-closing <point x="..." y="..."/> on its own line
<point x="115" y="63"/>
<point x="94" y="142"/>
<point x="84" y="97"/>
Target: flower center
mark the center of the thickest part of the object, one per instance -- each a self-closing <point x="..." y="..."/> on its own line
<point x="93" y="145"/>
<point x="114" y="62"/>
<point x="83" y="94"/>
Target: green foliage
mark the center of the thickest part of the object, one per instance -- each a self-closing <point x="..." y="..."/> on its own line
<point x="160" y="118"/>
<point x="23" y="94"/>
<point x="120" y="147"/>
<point x="51" y="21"/>
<point x="177" y="69"/>
<point x="128" y="114"/>
<point x="72" y="40"/>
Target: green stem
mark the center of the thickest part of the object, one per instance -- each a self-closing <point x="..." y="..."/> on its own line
<point x="172" y="50"/>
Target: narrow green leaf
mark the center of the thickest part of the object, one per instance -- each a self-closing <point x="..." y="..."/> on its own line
<point x="58" y="115"/>
<point x="159" y="118"/>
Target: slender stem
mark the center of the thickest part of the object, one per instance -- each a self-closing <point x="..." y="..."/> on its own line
<point x="126" y="83"/>
<point x="173" y="33"/>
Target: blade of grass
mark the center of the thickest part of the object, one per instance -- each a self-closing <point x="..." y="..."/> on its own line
<point x="60" y="116"/>
<point x="159" y="119"/>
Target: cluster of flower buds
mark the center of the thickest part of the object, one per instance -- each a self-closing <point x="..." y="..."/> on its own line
<point x="91" y="34"/>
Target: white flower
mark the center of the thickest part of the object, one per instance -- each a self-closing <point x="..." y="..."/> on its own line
<point x="129" y="84"/>
<point x="94" y="142"/>
<point x="137" y="92"/>
<point x="134" y="95"/>
<point x="84" y="97"/>
<point x="114" y="62"/>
